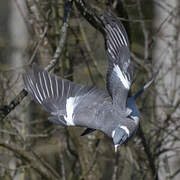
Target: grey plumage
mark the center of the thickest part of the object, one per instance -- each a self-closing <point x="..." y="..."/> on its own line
<point x="55" y="94"/>
<point x="72" y="104"/>
<point x="133" y="112"/>
<point x="118" y="53"/>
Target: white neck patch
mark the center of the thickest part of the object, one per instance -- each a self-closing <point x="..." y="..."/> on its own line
<point x="122" y="127"/>
<point x="121" y="76"/>
<point x="126" y="129"/>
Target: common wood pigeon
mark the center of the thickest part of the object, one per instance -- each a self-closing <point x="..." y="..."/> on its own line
<point x="72" y="104"/>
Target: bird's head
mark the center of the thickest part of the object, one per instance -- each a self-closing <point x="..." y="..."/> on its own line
<point x="120" y="135"/>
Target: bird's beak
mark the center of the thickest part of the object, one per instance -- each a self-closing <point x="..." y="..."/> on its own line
<point x="116" y="148"/>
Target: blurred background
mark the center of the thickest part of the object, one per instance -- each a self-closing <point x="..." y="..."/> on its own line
<point x="32" y="148"/>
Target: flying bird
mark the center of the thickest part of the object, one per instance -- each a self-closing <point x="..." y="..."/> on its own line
<point x="72" y="104"/>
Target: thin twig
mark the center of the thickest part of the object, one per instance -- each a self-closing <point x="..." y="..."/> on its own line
<point x="6" y="109"/>
<point x="141" y="63"/>
<point x="116" y="165"/>
<point x="145" y="32"/>
<point x="89" y="49"/>
<point x="148" y="154"/>
<point x="62" y="166"/>
<point x="37" y="47"/>
<point x="31" y="159"/>
<point x="90" y="15"/>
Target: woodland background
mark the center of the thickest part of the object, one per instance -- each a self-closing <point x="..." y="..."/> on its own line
<point x="31" y="148"/>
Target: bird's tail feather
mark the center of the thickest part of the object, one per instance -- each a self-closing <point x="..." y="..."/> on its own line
<point x="146" y="86"/>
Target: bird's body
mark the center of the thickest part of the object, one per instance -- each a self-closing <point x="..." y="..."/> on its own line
<point x="72" y="104"/>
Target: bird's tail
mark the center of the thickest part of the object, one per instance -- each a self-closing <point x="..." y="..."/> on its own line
<point x="145" y="87"/>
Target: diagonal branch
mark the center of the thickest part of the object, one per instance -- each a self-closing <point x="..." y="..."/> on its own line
<point x="5" y="110"/>
<point x="89" y="49"/>
<point x="28" y="157"/>
<point x="90" y="15"/>
<point x="148" y="153"/>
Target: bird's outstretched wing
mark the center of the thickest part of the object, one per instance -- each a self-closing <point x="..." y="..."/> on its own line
<point x="69" y="103"/>
<point x="120" y="69"/>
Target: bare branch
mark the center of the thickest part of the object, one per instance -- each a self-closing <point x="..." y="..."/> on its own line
<point x="5" y="110"/>
<point x="90" y="15"/>
<point x="31" y="159"/>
